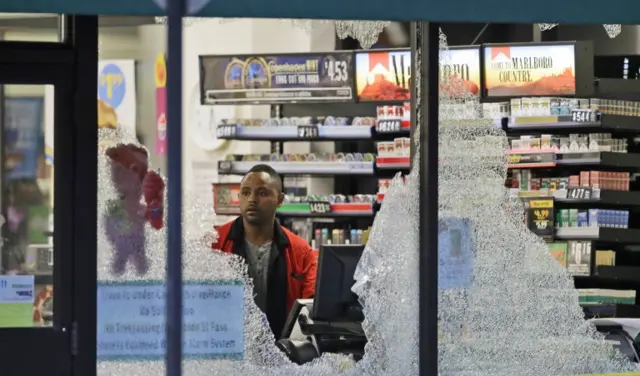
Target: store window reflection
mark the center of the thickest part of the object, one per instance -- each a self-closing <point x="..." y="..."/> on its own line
<point x="26" y="256"/>
<point x="31" y="27"/>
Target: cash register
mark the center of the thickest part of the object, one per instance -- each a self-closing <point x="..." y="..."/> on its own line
<point x="332" y="321"/>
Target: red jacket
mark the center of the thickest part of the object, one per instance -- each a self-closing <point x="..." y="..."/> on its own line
<point x="292" y="274"/>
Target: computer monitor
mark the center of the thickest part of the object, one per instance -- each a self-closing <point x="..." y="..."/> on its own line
<point x="334" y="300"/>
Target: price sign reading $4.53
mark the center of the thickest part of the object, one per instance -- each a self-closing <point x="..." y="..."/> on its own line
<point x="337" y="70"/>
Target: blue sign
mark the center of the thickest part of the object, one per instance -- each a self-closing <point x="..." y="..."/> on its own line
<point x="23" y="137"/>
<point x="112" y="85"/>
<point x="131" y="320"/>
<point x="455" y="253"/>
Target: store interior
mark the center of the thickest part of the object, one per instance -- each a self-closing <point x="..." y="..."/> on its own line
<point x="573" y="155"/>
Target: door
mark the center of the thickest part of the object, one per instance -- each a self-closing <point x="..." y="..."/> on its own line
<point x="48" y="175"/>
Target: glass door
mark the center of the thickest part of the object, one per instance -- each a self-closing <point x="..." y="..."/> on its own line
<point x="36" y="250"/>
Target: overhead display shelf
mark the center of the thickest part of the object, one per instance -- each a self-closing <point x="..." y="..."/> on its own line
<point x="297" y="133"/>
<point x="300" y="168"/>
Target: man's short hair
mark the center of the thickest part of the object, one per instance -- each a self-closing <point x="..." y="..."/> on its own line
<point x="269" y="171"/>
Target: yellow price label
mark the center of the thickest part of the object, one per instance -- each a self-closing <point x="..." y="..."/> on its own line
<point x="541" y="204"/>
<point x="513" y="158"/>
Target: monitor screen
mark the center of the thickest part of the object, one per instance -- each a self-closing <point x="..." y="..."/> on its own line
<point x="334" y="300"/>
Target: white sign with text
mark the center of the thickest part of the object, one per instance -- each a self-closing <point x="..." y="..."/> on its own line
<point x="131" y="320"/>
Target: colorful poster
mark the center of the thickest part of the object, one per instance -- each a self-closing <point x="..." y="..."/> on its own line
<point x="383" y="75"/>
<point x="23" y="137"/>
<point x="512" y="71"/>
<point x="463" y="64"/>
<point x="289" y="78"/>
<point x="160" y="73"/>
<point x="117" y="94"/>
<point x="386" y="75"/>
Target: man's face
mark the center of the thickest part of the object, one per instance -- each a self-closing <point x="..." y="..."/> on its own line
<point x="260" y="196"/>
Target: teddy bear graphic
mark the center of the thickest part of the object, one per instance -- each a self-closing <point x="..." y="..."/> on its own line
<point x="126" y="216"/>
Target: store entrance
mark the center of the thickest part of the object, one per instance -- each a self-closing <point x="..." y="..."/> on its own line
<point x="48" y="143"/>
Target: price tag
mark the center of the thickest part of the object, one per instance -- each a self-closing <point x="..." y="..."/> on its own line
<point x="226" y="130"/>
<point x="336" y="70"/>
<point x="225" y="166"/>
<point x="579" y="258"/>
<point x="579" y="193"/>
<point x="583" y="116"/>
<point x="388" y="126"/>
<point x="308" y="131"/>
<point x="320" y="207"/>
<point x="539" y="216"/>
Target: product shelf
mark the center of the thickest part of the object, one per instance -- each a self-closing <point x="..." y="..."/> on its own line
<point x="629" y="161"/>
<point x="613" y="198"/>
<point x="611" y="310"/>
<point x="619" y="123"/>
<point x="299" y="168"/>
<point x="337" y="210"/>
<point x="601" y="234"/>
<point x="291" y="133"/>
<point x="393" y="163"/>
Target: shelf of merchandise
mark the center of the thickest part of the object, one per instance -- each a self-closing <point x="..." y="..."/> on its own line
<point x="603" y="198"/>
<point x="601" y="234"/>
<point x="299" y="168"/>
<point x="337" y="210"/>
<point x="292" y="133"/>
<point x="611" y="310"/>
<point x="393" y="163"/>
<point x="551" y="158"/>
<point x="622" y="276"/>
<point x="303" y="210"/>
<point x="613" y="123"/>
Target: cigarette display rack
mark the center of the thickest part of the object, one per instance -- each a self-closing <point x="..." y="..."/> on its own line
<point x="576" y="169"/>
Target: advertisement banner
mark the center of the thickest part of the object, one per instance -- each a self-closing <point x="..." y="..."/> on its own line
<point x="307" y="78"/>
<point x="462" y="64"/>
<point x="383" y="75"/>
<point x="23" y="136"/>
<point x="117" y="94"/>
<point x="512" y="71"/>
<point x="160" y="73"/>
<point x="386" y="75"/>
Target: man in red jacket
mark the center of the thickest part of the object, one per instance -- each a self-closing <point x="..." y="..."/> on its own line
<point x="282" y="265"/>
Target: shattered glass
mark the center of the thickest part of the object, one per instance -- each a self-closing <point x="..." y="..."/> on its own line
<point x="513" y="312"/>
<point x="365" y="32"/>
<point x="612" y="29"/>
